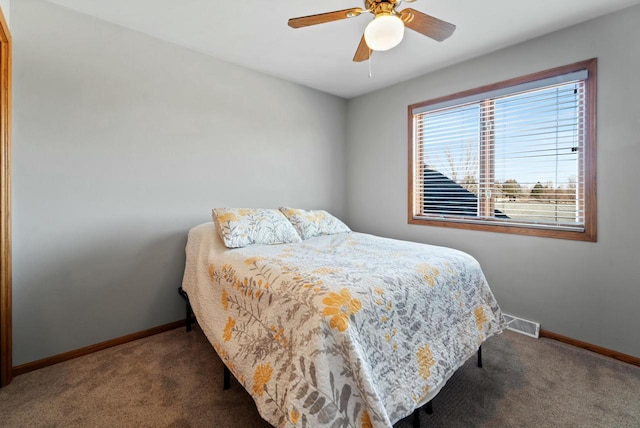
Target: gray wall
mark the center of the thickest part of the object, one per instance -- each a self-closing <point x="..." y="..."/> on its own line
<point x="6" y="11"/>
<point x="588" y="291"/>
<point x="121" y="143"/>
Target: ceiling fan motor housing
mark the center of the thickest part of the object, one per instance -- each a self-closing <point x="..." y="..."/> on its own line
<point x="381" y="7"/>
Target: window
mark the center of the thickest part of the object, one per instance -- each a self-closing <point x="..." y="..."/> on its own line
<point x="513" y="157"/>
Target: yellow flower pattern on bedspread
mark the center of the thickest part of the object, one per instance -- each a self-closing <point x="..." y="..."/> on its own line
<point x="429" y="273"/>
<point x="294" y="416"/>
<point x="340" y="306"/>
<point x="337" y="333"/>
<point x="425" y="361"/>
<point x="366" y="420"/>
<point x="228" y="329"/>
<point x="261" y="376"/>
<point x="481" y="317"/>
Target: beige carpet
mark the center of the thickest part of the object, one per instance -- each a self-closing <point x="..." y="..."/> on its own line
<point x="174" y="379"/>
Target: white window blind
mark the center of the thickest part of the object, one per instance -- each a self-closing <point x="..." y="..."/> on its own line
<point x="513" y="156"/>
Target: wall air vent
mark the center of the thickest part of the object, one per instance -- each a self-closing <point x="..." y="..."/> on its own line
<point x="522" y="326"/>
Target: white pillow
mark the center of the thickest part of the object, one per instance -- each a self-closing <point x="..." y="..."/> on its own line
<point x="314" y="222"/>
<point x="241" y="227"/>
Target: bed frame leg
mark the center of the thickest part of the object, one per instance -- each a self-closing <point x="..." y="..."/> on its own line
<point x="189" y="312"/>
<point x="480" y="357"/>
<point x="416" y="413"/>
<point x="226" y="380"/>
<point x="226" y="375"/>
<point x="416" y="418"/>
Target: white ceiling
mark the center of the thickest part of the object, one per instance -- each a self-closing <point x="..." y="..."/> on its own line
<point x="254" y="34"/>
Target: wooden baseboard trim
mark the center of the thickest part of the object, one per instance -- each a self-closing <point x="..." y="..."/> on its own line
<point x="49" y="361"/>
<point x="594" y="348"/>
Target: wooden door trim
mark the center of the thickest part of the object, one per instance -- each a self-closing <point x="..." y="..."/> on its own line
<point x="5" y="203"/>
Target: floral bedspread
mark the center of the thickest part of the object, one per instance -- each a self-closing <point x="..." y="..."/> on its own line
<point x="348" y="330"/>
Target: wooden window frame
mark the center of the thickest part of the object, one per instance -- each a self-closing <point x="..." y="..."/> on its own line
<point x="589" y="165"/>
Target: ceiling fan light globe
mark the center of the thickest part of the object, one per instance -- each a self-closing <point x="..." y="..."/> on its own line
<point x="384" y="32"/>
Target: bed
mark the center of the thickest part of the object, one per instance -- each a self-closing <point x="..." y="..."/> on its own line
<point x="342" y="330"/>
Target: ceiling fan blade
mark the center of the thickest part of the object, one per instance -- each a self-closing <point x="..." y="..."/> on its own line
<point x="428" y="25"/>
<point x="321" y="18"/>
<point x="363" y="52"/>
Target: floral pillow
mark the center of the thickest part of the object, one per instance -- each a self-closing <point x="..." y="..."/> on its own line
<point x="240" y="227"/>
<point x="314" y="222"/>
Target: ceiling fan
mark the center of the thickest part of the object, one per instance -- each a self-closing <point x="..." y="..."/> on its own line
<point x="387" y="28"/>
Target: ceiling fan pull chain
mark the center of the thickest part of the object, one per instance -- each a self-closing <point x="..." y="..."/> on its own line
<point x="370" y="75"/>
